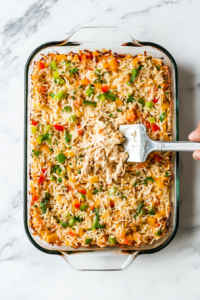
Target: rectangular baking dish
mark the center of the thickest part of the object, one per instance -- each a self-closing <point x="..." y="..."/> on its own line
<point x="116" y="39"/>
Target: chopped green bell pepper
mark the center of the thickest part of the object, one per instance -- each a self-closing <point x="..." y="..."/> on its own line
<point x="89" y="103"/>
<point x="53" y="66"/>
<point x="141" y="101"/>
<point x="112" y="240"/>
<point x="46" y="129"/>
<point x="152" y="120"/>
<point x="88" y="241"/>
<point x="134" y="75"/>
<point x="83" y="207"/>
<point x="89" y="91"/>
<point x="60" y="95"/>
<point x="149" y="104"/>
<point x="61" y="158"/>
<point x="33" y="129"/>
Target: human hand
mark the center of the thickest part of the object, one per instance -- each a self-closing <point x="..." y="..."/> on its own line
<point x="195" y="137"/>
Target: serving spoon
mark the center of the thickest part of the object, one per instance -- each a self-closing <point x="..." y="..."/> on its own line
<point x="139" y="145"/>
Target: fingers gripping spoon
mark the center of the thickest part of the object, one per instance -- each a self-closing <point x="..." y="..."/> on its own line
<point x="138" y="145"/>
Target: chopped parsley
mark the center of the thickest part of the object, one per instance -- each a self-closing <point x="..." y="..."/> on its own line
<point x="148" y="179"/>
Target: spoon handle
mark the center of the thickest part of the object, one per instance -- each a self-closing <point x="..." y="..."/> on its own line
<point x="179" y="146"/>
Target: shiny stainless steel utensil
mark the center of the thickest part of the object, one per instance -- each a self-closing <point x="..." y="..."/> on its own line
<point x="139" y="145"/>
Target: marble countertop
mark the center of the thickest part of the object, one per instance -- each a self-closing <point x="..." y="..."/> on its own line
<point x="25" y="272"/>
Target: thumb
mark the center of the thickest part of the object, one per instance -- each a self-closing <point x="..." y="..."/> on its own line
<point x="196" y="155"/>
<point x="195" y="135"/>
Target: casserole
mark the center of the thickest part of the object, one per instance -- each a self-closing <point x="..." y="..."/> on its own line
<point x="116" y="40"/>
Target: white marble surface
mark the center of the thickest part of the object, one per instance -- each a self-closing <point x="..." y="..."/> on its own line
<point x="25" y="272"/>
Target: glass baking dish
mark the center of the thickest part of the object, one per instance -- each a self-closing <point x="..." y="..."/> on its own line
<point x="116" y="39"/>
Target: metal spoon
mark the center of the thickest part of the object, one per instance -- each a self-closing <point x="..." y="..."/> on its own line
<point x="139" y="145"/>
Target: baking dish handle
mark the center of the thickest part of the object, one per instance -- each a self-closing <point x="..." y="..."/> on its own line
<point x="100" y="261"/>
<point x="100" y="34"/>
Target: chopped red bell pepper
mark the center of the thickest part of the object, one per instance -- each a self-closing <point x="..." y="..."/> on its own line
<point x="80" y="131"/>
<point x="125" y="241"/>
<point x="40" y="65"/>
<point x="81" y="191"/>
<point x="41" y="179"/>
<point x="59" y="127"/>
<point x="104" y="88"/>
<point x="34" y="198"/>
<point x="147" y="124"/>
<point x="44" y="88"/>
<point x="157" y="224"/>
<point x="112" y="204"/>
<point x="90" y="55"/>
<point x="77" y="204"/>
<point x="157" y="158"/>
<point x="155" y="127"/>
<point x="72" y="234"/>
<point x="34" y="123"/>
<point x="155" y="100"/>
<point x="44" y="170"/>
<point x="70" y="188"/>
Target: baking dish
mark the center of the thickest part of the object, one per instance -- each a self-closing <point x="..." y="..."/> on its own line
<point x="97" y="38"/>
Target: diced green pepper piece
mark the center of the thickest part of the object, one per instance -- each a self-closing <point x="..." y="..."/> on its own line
<point x="112" y="191"/>
<point x="112" y="240"/>
<point x="64" y="224"/>
<point x="43" y="207"/>
<point x="141" y="101"/>
<point x="60" y="81"/>
<point x="39" y="139"/>
<point x="158" y="232"/>
<point x="88" y="241"/>
<point x="59" y="170"/>
<point x="49" y="141"/>
<point x="52" y="95"/>
<point x="89" y="91"/>
<point x="46" y="129"/>
<point x="73" y="118"/>
<point x="90" y="103"/>
<point x="110" y="96"/>
<point x="61" y="158"/>
<point x="129" y="99"/>
<point x="166" y="174"/>
<point x="162" y="116"/>
<point x="67" y="108"/>
<point x="149" y="104"/>
<point x="53" y="66"/>
<point x="97" y="71"/>
<point x="60" y="95"/>
<point x="134" y="75"/>
<point x="101" y="97"/>
<point x="53" y="178"/>
<point x="59" y="179"/>
<point x="33" y="129"/>
<point x="67" y="64"/>
<point x="67" y="137"/>
<point x="83" y="207"/>
<point x="74" y="70"/>
<point x="72" y="221"/>
<point x="36" y="153"/>
<point x="152" y="120"/>
<point x="56" y="75"/>
<point x="151" y="212"/>
<point x="82" y="196"/>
